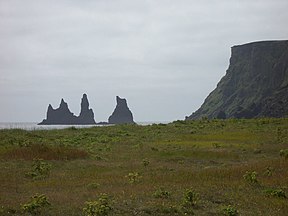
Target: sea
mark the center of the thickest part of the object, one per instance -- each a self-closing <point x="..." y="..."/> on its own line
<point x="30" y="126"/>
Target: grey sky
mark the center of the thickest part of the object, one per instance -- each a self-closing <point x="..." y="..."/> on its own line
<point x="164" y="56"/>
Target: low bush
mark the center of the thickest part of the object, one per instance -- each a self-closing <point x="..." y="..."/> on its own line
<point x="36" y="204"/>
<point x="133" y="177"/>
<point x="229" y="210"/>
<point x="275" y="193"/>
<point x="284" y="153"/>
<point x="40" y="169"/>
<point x="161" y="193"/>
<point x="251" y="177"/>
<point x="190" y="198"/>
<point x="145" y="162"/>
<point x="100" y="207"/>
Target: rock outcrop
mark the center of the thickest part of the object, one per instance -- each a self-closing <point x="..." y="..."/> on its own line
<point x="121" y="114"/>
<point x="255" y="84"/>
<point x="63" y="116"/>
<point x="86" y="115"/>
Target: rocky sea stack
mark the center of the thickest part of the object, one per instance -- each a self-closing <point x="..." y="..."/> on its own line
<point x="121" y="114"/>
<point x="63" y="116"/>
<point x="255" y="84"/>
<point x="86" y="115"/>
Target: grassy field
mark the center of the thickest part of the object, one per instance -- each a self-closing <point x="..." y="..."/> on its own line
<point x="205" y="167"/>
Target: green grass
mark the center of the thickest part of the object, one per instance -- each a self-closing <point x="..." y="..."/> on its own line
<point x="209" y="157"/>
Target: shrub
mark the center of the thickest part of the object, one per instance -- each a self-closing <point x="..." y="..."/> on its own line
<point x="40" y="169"/>
<point x="251" y="177"/>
<point x="284" y="153"/>
<point x="133" y="177"/>
<point x="37" y="203"/>
<point x="189" y="202"/>
<point x="100" y="207"/>
<point x="161" y="193"/>
<point x="190" y="198"/>
<point x="229" y="211"/>
<point x="276" y="193"/>
<point x="145" y="162"/>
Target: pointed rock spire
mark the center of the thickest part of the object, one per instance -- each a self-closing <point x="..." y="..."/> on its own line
<point x="121" y="114"/>
<point x="63" y="105"/>
<point x="84" y="104"/>
<point x="49" y="111"/>
<point x="50" y="108"/>
<point x="86" y="115"/>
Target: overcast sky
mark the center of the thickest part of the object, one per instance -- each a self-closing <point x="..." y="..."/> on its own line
<point x="163" y="56"/>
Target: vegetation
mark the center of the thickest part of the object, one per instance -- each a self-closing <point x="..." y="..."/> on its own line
<point x="229" y="211"/>
<point x="190" y="198"/>
<point x="190" y="202"/>
<point x="40" y="169"/>
<point x="284" y="153"/>
<point x="134" y="177"/>
<point x="36" y="204"/>
<point x="100" y="207"/>
<point x="161" y="193"/>
<point x="203" y="167"/>
<point x="251" y="177"/>
<point x="276" y="193"/>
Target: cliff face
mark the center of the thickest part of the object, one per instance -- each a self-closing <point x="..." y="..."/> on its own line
<point x="255" y="84"/>
<point x="121" y="114"/>
<point x="63" y="116"/>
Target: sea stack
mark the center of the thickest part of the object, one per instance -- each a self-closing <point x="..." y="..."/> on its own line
<point x="59" y="116"/>
<point x="255" y="84"/>
<point x="121" y="114"/>
<point x="86" y="115"/>
<point x="63" y="116"/>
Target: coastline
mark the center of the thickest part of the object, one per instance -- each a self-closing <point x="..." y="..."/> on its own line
<point x="30" y="126"/>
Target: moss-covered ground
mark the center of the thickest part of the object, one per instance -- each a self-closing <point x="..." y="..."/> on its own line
<point x="147" y="170"/>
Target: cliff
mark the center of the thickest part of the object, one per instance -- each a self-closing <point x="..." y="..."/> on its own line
<point x="63" y="116"/>
<point x="255" y="84"/>
<point x="121" y="114"/>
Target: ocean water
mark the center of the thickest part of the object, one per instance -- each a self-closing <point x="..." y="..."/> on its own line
<point x="33" y="125"/>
